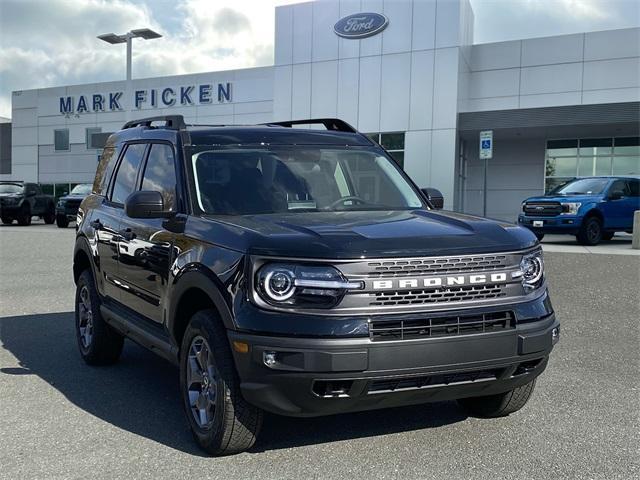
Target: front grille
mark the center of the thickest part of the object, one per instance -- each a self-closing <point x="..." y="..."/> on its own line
<point x="455" y="325"/>
<point x="542" y="209"/>
<point x="72" y="203"/>
<point x="440" y="295"/>
<point x="427" y="266"/>
<point x="432" y="381"/>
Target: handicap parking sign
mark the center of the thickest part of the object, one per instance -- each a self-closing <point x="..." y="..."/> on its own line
<point x="486" y="144"/>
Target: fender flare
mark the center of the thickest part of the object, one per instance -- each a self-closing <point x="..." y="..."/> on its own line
<point x="202" y="278"/>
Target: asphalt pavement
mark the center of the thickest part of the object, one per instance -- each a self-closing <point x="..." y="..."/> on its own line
<point x="60" y="418"/>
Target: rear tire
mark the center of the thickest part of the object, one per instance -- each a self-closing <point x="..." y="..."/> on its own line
<point x="7" y="220"/>
<point x="590" y="231"/>
<point x="499" y="405"/>
<point x="99" y="344"/>
<point x="24" y="217"/>
<point x="50" y="216"/>
<point x="62" y="221"/>
<point x="221" y="420"/>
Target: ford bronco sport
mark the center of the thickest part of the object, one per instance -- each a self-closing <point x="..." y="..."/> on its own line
<point x="300" y="271"/>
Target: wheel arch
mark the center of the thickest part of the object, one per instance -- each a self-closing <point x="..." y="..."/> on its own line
<point x="82" y="259"/>
<point x="196" y="289"/>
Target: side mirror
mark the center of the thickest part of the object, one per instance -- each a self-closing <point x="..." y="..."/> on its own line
<point x="31" y="192"/>
<point x="145" y="204"/>
<point x="434" y="196"/>
<point x="616" y="195"/>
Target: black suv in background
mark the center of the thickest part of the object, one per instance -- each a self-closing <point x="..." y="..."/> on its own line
<point x="22" y="200"/>
<point x="67" y="206"/>
<point x="301" y="272"/>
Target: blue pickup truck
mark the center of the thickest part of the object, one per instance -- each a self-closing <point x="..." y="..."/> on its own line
<point x="593" y="209"/>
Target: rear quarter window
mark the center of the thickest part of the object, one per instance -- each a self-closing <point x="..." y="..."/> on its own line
<point x="105" y="169"/>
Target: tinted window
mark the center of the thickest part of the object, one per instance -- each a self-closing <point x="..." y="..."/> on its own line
<point x="125" y="181"/>
<point x="619" y="186"/>
<point x="160" y="174"/>
<point x="105" y="169"/>
<point x="634" y="188"/>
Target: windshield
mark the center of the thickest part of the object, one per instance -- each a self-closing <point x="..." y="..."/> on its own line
<point x="82" y="189"/>
<point x="10" y="188"/>
<point x="298" y="179"/>
<point x="583" y="186"/>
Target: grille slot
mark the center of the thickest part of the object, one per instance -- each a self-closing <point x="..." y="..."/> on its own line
<point x="449" y="326"/>
<point x="542" y="209"/>
<point x="441" y="295"/>
<point x="431" y="381"/>
<point x="427" y="266"/>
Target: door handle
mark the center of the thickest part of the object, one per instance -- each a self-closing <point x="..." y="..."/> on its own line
<point x="96" y="224"/>
<point x="127" y="234"/>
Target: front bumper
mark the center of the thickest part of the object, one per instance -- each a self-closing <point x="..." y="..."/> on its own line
<point x="560" y="224"/>
<point x="320" y="376"/>
<point x="10" y="210"/>
<point x="68" y="212"/>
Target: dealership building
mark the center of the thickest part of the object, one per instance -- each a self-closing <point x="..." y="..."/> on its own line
<point x="405" y="72"/>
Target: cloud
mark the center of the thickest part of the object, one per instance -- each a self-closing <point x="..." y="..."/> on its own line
<point x="46" y="43"/>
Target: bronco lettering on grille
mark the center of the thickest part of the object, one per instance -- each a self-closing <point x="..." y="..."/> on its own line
<point x="434" y="282"/>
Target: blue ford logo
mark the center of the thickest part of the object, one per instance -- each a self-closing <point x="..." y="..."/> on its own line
<point x="360" y="25"/>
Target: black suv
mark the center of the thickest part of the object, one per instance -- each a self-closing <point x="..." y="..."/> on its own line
<point x="301" y="272"/>
<point x="22" y="200"/>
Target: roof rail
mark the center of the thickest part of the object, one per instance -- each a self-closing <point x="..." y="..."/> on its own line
<point x="329" y="123"/>
<point x="172" y="122"/>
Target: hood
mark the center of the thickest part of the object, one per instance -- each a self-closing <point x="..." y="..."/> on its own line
<point x="358" y="234"/>
<point x="565" y="198"/>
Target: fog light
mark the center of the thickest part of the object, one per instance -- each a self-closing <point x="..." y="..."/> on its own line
<point x="555" y="335"/>
<point x="269" y="358"/>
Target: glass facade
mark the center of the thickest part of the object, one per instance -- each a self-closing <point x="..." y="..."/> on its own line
<point x="588" y="157"/>
<point x="392" y="142"/>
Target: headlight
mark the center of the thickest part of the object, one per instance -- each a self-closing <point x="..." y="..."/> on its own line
<point x="10" y="200"/>
<point x="532" y="269"/>
<point x="282" y="284"/>
<point x="570" y="208"/>
<point x="61" y="203"/>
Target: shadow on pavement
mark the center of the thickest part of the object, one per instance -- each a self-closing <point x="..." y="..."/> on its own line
<point x="140" y="393"/>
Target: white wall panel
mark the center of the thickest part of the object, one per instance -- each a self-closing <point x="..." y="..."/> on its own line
<point x="417" y="156"/>
<point x="397" y="35"/>
<point x="395" y="92"/>
<point x="24" y="98"/>
<point x="23" y="155"/>
<point x="249" y="107"/>
<point x="421" y="105"/>
<point x="372" y="45"/>
<point x="550" y="99"/>
<point x="24" y="117"/>
<point x="369" y="98"/>
<point x="550" y="50"/>
<point x="424" y="25"/>
<point x="302" y="32"/>
<point x="566" y="77"/>
<point x="282" y="91"/>
<point x="622" y="73"/>
<point x="283" y="46"/>
<point x="324" y="89"/>
<point x="348" y="48"/>
<point x="325" y="41"/>
<point x="442" y="170"/>
<point x="447" y="23"/>
<point x="490" y="103"/>
<point x="24" y="136"/>
<point x="612" y="44"/>
<point x="301" y="91"/>
<point x="494" y="83"/>
<point x="493" y="56"/>
<point x="348" y="90"/>
<point x="611" y="96"/>
<point x="445" y="88"/>
<point x="25" y="172"/>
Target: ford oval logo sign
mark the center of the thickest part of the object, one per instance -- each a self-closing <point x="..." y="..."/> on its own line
<point x="360" y="25"/>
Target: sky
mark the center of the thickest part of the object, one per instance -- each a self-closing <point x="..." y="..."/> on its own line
<point x="46" y="43"/>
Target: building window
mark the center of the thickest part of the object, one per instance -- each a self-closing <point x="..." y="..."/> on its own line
<point x="588" y="157"/>
<point x="393" y="143"/>
<point x="90" y="140"/>
<point x="61" y="139"/>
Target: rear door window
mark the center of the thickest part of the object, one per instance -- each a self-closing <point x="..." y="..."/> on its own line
<point x="160" y="174"/>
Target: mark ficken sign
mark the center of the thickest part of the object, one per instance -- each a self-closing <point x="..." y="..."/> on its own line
<point x="203" y="94"/>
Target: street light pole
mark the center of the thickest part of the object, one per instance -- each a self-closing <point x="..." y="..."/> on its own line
<point x="129" y="55"/>
<point x="127" y="38"/>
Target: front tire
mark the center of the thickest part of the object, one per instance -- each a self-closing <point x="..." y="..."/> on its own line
<point x="590" y="231"/>
<point x="499" y="405"/>
<point x="99" y="344"/>
<point x="62" y="221"/>
<point x="50" y="216"/>
<point x="539" y="236"/>
<point x="221" y="420"/>
<point x="7" y="220"/>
